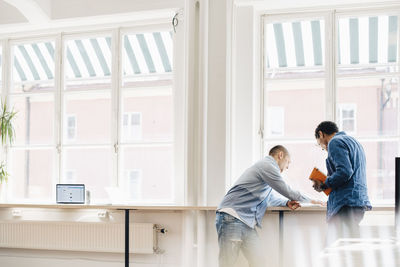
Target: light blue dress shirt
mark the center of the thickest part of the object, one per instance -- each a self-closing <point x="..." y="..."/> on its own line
<point x="254" y="192"/>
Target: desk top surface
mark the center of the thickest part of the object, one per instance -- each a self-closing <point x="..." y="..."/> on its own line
<point x="305" y="207"/>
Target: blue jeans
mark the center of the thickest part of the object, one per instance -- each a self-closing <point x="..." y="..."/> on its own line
<point x="345" y="224"/>
<point x="235" y="236"/>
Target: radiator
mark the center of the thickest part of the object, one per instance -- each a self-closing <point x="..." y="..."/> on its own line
<point x="77" y="236"/>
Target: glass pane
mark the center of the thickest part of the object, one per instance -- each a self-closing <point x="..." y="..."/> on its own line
<point x="155" y="184"/>
<point x="92" y="113"/>
<point x="294" y="48"/>
<point x="381" y="170"/>
<point x="32" y="173"/>
<point x="89" y="166"/>
<point x="33" y="67"/>
<point x="146" y="56"/>
<point x="1" y="67"/>
<point x="374" y="103"/>
<point x="304" y="157"/>
<point x="380" y="158"/>
<point x="367" y="44"/>
<point x="34" y="121"/>
<point x="88" y="63"/>
<point x="147" y="115"/>
<point x="301" y="106"/>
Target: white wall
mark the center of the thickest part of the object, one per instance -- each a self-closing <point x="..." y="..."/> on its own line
<point x="212" y="87"/>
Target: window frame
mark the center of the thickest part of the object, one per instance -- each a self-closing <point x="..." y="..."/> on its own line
<point x="116" y="33"/>
<point x="331" y="66"/>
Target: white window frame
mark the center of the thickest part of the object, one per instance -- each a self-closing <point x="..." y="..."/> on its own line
<point x="331" y="64"/>
<point x="2" y="64"/>
<point x="116" y="32"/>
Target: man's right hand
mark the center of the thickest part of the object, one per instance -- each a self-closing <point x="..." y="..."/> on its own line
<point x="319" y="186"/>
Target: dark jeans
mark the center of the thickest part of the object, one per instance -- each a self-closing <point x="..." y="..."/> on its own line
<point x="235" y="236"/>
<point x="345" y="223"/>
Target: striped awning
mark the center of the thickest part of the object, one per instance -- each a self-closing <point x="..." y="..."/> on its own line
<point x="361" y="40"/>
<point x="145" y="53"/>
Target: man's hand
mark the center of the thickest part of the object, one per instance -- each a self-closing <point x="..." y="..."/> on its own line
<point x="318" y="202"/>
<point x="319" y="186"/>
<point x="293" y="204"/>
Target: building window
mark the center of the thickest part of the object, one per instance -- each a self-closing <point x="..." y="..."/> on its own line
<point x="134" y="184"/>
<point x="276" y="121"/>
<point x="70" y="177"/>
<point x="71" y="127"/>
<point x="346" y="118"/>
<point x="132" y="126"/>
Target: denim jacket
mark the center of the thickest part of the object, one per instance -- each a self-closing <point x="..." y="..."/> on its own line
<point x="346" y="167"/>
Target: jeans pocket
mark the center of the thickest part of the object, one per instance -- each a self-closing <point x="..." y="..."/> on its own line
<point x="218" y="222"/>
<point x="229" y="218"/>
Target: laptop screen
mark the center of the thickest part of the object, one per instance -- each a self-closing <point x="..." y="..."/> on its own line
<point x="70" y="193"/>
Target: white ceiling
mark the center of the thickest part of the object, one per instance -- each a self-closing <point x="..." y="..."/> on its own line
<point x="23" y="15"/>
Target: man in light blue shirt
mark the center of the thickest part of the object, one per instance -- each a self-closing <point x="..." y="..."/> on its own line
<point x="244" y="205"/>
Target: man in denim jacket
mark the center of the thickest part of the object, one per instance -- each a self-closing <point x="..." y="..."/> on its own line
<point x="348" y="199"/>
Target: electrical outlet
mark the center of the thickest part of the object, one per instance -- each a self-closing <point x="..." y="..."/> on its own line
<point x="102" y="214"/>
<point x="16" y="213"/>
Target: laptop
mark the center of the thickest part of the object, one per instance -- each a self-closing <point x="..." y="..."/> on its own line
<point x="70" y="193"/>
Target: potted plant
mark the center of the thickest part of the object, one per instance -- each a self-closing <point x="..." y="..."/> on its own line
<point x="7" y="134"/>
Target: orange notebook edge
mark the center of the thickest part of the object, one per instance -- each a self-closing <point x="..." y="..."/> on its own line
<point x="316" y="174"/>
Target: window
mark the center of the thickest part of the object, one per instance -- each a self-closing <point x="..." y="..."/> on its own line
<point x="71" y="127"/>
<point x="69" y="177"/>
<point x="346" y="118"/>
<point x="362" y="86"/>
<point x="294" y="90"/>
<point x="132" y="126"/>
<point x="125" y="114"/>
<point x="32" y="94"/>
<point x="148" y="113"/>
<point x="134" y="184"/>
<point x="1" y="68"/>
<point x="367" y="77"/>
<point x="276" y="121"/>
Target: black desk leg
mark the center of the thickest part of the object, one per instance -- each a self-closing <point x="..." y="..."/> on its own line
<point x="281" y="238"/>
<point x="126" y="238"/>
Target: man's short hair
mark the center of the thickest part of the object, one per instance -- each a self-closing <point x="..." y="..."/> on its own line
<point x="276" y="149"/>
<point x="327" y="127"/>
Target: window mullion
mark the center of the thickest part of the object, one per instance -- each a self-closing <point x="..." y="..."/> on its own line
<point x="330" y="51"/>
<point x="60" y="91"/>
<point x="398" y="79"/>
<point x="6" y="78"/>
<point x="58" y="80"/>
<point x="115" y="98"/>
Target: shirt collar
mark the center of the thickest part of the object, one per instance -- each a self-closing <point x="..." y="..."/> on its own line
<point x="273" y="161"/>
<point x="340" y="133"/>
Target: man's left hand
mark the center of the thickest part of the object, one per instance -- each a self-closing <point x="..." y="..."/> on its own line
<point x="293" y="204"/>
